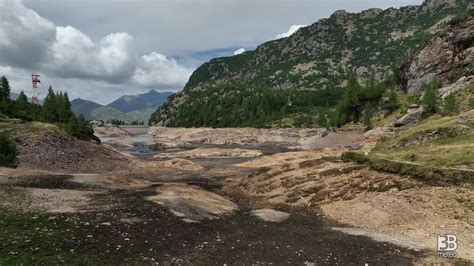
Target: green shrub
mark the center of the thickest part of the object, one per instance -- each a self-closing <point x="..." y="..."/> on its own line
<point x="355" y="157"/>
<point x="461" y="17"/>
<point x="392" y="102"/>
<point x="79" y="128"/>
<point x="430" y="98"/>
<point x="367" y="117"/>
<point x="8" y="151"/>
<point x="450" y="105"/>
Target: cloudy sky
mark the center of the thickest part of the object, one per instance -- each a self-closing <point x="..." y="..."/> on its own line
<point x="101" y="50"/>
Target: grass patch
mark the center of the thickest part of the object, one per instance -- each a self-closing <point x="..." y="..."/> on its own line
<point x="437" y="149"/>
<point x="355" y="157"/>
<point x="32" y="238"/>
<point x="441" y="156"/>
<point x="31" y="130"/>
<point x="432" y="124"/>
<point x="380" y="120"/>
<point x="26" y="239"/>
<point x="425" y="173"/>
<point x="29" y="237"/>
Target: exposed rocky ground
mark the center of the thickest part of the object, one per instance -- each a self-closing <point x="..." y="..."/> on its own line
<point x="449" y="57"/>
<point x="280" y="206"/>
<point x="407" y="210"/>
<point x="59" y="152"/>
<point x="291" y="138"/>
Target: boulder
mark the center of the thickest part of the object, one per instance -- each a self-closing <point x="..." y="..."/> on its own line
<point x="340" y="13"/>
<point x="458" y="86"/>
<point x="270" y="215"/>
<point x="97" y="123"/>
<point x="413" y="115"/>
<point x="463" y="120"/>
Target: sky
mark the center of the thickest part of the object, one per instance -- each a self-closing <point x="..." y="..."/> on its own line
<point x="101" y="50"/>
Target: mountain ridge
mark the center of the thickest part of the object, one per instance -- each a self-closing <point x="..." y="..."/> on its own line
<point x="85" y="107"/>
<point x="130" y="103"/>
<point x="318" y="57"/>
<point x="127" y="108"/>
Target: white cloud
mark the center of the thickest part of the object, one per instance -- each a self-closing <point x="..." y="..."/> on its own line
<point x="239" y="51"/>
<point x="65" y="56"/>
<point x="290" y="31"/>
<point x="157" y="70"/>
<point x="25" y="37"/>
<point x="6" y="71"/>
<point x="74" y="54"/>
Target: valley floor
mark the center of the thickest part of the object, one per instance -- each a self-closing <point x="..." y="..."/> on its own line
<point x="223" y="196"/>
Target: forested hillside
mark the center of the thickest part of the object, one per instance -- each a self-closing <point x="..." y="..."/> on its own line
<point x="56" y="109"/>
<point x="299" y="80"/>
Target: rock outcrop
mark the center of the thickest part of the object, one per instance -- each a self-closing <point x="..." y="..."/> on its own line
<point x="413" y="116"/>
<point x="438" y="3"/>
<point x="448" y="57"/>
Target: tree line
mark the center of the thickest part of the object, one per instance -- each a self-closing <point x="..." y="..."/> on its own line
<point x="56" y="109"/>
<point x="245" y="106"/>
<point x="239" y="105"/>
<point x="118" y="122"/>
<point x="359" y="102"/>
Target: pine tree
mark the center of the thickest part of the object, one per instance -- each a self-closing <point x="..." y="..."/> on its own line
<point x="64" y="108"/>
<point x="72" y="126"/>
<point x="22" y="98"/>
<point x="84" y="128"/>
<point x="4" y="96"/>
<point x="323" y="118"/>
<point x="50" y="107"/>
<point x="393" y="103"/>
<point x="8" y="150"/>
<point x="4" y="90"/>
<point x="348" y="108"/>
<point x="450" y="106"/>
<point x="430" y="98"/>
<point x="367" y="117"/>
<point x="22" y="108"/>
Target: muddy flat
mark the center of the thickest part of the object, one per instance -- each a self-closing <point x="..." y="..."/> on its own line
<point x="274" y="207"/>
<point x="124" y="227"/>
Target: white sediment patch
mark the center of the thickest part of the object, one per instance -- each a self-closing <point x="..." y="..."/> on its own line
<point x="380" y="237"/>
<point x="269" y="215"/>
<point x="211" y="153"/>
<point x="192" y="203"/>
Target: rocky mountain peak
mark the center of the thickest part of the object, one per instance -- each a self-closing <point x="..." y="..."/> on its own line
<point x="340" y="13"/>
<point x="372" y="12"/>
<point x="437" y="3"/>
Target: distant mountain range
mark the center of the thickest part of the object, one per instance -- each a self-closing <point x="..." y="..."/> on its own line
<point x="130" y="103"/>
<point x="84" y="107"/>
<point x="126" y="108"/>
